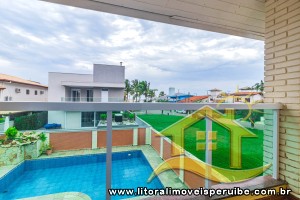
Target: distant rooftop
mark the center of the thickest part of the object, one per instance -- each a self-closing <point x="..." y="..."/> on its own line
<point x="245" y="93"/>
<point x="14" y="79"/>
<point x="194" y="99"/>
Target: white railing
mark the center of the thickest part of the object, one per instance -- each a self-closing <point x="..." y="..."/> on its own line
<point x="91" y="99"/>
<point x="109" y="107"/>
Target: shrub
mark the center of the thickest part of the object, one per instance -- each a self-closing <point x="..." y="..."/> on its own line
<point x="103" y="117"/>
<point x="11" y="133"/>
<point x="31" y="122"/>
<point x="131" y="116"/>
<point x="43" y="137"/>
<point x="126" y="114"/>
<point x="2" y="120"/>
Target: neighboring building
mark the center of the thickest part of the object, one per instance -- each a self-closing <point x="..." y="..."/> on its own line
<point x="246" y="97"/>
<point x="196" y="99"/>
<point x="106" y="84"/>
<point x="178" y="97"/>
<point x="13" y="88"/>
<point x="171" y="91"/>
<point x="214" y="93"/>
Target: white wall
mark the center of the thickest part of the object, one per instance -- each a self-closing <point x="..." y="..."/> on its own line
<point x="57" y="117"/>
<point x="73" y="120"/>
<point x="57" y="90"/>
<point x="109" y="73"/>
<point x="10" y="91"/>
<point x="68" y="120"/>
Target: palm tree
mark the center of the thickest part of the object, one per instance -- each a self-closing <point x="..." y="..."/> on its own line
<point x="261" y="88"/>
<point x="256" y="86"/>
<point x="127" y="90"/>
<point x="144" y="88"/>
<point x="135" y="89"/>
<point x="151" y="94"/>
<point x="161" y="94"/>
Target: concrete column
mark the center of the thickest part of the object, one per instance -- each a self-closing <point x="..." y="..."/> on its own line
<point x="94" y="139"/>
<point x="148" y="136"/>
<point x="162" y="147"/>
<point x="282" y="83"/>
<point x="135" y="137"/>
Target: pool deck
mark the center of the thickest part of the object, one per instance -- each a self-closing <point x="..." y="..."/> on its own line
<point x="168" y="178"/>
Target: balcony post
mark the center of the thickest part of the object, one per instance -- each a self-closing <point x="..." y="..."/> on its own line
<point x="108" y="153"/>
<point x="275" y="144"/>
<point x="208" y="150"/>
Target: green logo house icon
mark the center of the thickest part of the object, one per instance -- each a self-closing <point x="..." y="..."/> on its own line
<point x="237" y="133"/>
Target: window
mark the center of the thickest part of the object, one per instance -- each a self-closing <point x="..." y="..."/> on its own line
<point x="35" y="92"/>
<point x="18" y="90"/>
<point x="90" y="119"/>
<point x="27" y="91"/>
<point x="247" y="100"/>
<point x="75" y="95"/>
<point x="41" y="92"/>
<point x="7" y="98"/>
<point x="87" y="119"/>
<point x="89" y="95"/>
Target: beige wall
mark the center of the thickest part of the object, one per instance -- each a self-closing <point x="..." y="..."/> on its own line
<point x="282" y="81"/>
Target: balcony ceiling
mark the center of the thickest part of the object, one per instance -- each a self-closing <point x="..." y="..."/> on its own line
<point x="244" y="18"/>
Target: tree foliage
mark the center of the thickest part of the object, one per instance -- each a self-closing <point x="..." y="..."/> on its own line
<point x="136" y="89"/>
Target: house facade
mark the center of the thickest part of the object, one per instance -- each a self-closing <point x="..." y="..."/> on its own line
<point x="106" y="84"/>
<point x="13" y="88"/>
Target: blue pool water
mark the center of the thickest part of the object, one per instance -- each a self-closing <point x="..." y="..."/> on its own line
<point x="84" y="174"/>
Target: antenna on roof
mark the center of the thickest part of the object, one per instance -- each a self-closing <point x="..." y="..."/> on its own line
<point x="121" y="63"/>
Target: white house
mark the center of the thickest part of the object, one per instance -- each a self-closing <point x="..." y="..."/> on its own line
<point x="13" y="88"/>
<point x="214" y="93"/>
<point x="106" y="84"/>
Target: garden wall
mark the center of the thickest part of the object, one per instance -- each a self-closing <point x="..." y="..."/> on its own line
<point x="71" y="140"/>
<point x="13" y="155"/>
<point x="119" y="138"/>
<point x="163" y="147"/>
<point x="96" y="139"/>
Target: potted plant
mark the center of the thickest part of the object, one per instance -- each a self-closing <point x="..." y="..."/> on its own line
<point x="103" y="118"/>
<point x="131" y="117"/>
<point x="49" y="149"/>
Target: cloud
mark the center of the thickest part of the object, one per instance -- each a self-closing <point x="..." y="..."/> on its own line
<point x="42" y="37"/>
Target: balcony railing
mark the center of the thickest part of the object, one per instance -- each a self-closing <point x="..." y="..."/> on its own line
<point x="91" y="99"/>
<point x="271" y="114"/>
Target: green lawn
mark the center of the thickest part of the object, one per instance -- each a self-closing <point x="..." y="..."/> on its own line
<point x="252" y="148"/>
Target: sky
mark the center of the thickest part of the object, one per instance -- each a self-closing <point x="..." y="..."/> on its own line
<point x="37" y="37"/>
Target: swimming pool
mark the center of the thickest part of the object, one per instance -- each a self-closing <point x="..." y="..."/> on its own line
<point x="85" y="173"/>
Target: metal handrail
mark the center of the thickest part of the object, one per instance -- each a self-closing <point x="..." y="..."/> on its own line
<point x="115" y="106"/>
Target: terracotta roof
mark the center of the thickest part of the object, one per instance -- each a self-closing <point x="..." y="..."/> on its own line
<point x="14" y="79"/>
<point x="215" y="89"/>
<point x="193" y="99"/>
<point x="245" y="93"/>
<point x="2" y="88"/>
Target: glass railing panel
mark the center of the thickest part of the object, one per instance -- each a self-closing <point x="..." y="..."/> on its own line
<point x="146" y="138"/>
<point x="91" y="99"/>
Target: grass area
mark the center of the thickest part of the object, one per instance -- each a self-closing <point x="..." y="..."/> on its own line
<point x="252" y="148"/>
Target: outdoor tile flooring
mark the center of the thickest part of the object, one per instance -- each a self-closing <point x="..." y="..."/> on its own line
<point x="168" y="178"/>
